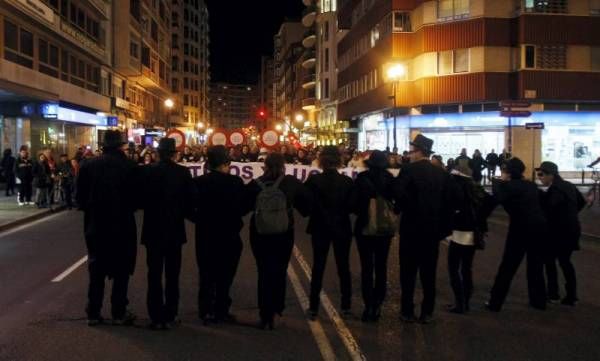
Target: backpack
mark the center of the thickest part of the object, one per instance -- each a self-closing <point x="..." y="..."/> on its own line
<point x="382" y="220"/>
<point x="271" y="215"/>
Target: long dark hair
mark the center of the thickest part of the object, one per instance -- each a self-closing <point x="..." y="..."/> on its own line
<point x="274" y="166"/>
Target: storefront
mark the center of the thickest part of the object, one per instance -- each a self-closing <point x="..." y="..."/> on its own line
<point x="570" y="139"/>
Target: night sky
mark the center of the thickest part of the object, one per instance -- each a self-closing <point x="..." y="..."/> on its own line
<point x="241" y="31"/>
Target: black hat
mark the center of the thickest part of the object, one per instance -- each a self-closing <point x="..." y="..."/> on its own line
<point x="113" y="139"/>
<point x="377" y="159"/>
<point x="167" y="145"/>
<point x="423" y="143"/>
<point x="548" y="168"/>
<point x="217" y="156"/>
<point x="515" y="167"/>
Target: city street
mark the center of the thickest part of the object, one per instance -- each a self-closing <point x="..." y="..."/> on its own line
<point x="43" y="282"/>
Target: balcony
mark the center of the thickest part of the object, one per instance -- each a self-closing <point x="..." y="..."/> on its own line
<point x="309" y="16"/>
<point x="309" y="82"/>
<point x="310" y="59"/>
<point x="309" y="103"/>
<point x="310" y="38"/>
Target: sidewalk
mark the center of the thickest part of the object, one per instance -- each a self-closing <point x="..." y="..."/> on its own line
<point x="12" y="215"/>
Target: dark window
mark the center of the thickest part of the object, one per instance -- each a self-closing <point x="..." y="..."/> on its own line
<point x="146" y="56"/>
<point x="81" y="19"/>
<point x="43" y="51"/>
<point x="26" y="42"/>
<point x="529" y="56"/>
<point x="11" y="38"/>
<point x="154" y="30"/>
<point x="64" y="8"/>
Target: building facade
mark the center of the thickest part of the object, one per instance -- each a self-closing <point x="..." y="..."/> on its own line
<point x="190" y="64"/>
<point x="267" y="92"/>
<point x="461" y="59"/>
<point x="55" y="65"/>
<point x="234" y="106"/>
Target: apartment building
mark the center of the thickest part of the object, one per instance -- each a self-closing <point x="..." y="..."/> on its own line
<point x="267" y="92"/>
<point x="234" y="106"/>
<point x="55" y="73"/>
<point x="460" y="59"/>
<point x="190" y="64"/>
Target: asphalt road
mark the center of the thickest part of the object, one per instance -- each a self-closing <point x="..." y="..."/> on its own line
<point x="45" y="320"/>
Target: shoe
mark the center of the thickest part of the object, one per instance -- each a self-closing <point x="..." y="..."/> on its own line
<point x="312" y="314"/>
<point x="492" y="308"/>
<point x="127" y="320"/>
<point x="426" y="319"/>
<point x="20" y="204"/>
<point x="569" y="302"/>
<point x="554" y="300"/>
<point x="408" y="318"/>
<point x="226" y="318"/>
<point x="30" y="203"/>
<point x="95" y="321"/>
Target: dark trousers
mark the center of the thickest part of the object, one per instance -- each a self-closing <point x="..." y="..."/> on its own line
<point x="374" y="252"/>
<point x="10" y="183"/>
<point x="514" y="252"/>
<point x="272" y="254"/>
<point x="218" y="259"/>
<point x="67" y="190"/>
<point x="118" y="299"/>
<point x="341" y="251"/>
<point x="564" y="260"/>
<point x="460" y="270"/>
<point x="163" y="306"/>
<point x="418" y="259"/>
<point x="25" y="191"/>
<point x="491" y="171"/>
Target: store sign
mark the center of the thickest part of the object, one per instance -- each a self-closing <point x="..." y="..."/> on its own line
<point x="49" y="110"/>
<point x="112" y="121"/>
<point x="76" y="116"/>
<point x="516" y="114"/>
<point x="515" y="104"/>
<point x="39" y="8"/>
<point x="121" y="103"/>
<point x="80" y="38"/>
<point x="535" y="126"/>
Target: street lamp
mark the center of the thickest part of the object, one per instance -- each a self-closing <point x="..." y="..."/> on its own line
<point x="200" y="125"/>
<point x="395" y="73"/>
<point x="169" y="104"/>
<point x="209" y="131"/>
<point x="299" y="117"/>
<point x="279" y="127"/>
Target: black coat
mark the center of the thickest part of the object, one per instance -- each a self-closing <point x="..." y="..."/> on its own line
<point x="477" y="166"/>
<point x="520" y="199"/>
<point x="492" y="160"/>
<point x="562" y="204"/>
<point x="167" y="199"/>
<point x="472" y="205"/>
<point x="333" y="200"/>
<point x="220" y="206"/>
<point x="8" y="166"/>
<point x="107" y="194"/>
<point x="368" y="185"/>
<point x="24" y="169"/>
<point x="297" y="195"/>
<point x="423" y="195"/>
<point x="41" y="174"/>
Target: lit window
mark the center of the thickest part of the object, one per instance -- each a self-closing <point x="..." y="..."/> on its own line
<point x="452" y="9"/>
<point x="445" y="63"/>
<point x="402" y="22"/>
<point x="461" y="60"/>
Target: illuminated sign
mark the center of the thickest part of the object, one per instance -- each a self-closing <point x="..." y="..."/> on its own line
<point x="76" y="116"/>
<point x="49" y="110"/>
<point x="40" y="9"/>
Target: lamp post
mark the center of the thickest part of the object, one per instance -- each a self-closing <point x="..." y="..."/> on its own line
<point x="169" y="104"/>
<point x="395" y="73"/>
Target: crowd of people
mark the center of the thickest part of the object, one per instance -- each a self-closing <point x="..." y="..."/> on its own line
<point x="426" y="203"/>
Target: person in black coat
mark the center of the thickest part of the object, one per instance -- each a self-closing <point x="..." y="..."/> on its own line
<point x="421" y="191"/>
<point x="561" y="204"/>
<point x="66" y="174"/>
<point x="329" y="224"/>
<point x="24" y="172"/>
<point x="373" y="250"/>
<point x="273" y="252"/>
<point x="469" y="225"/>
<point x="8" y="170"/>
<point x="220" y="206"/>
<point x="42" y="181"/>
<point x="526" y="236"/>
<point x="168" y="195"/>
<point x="477" y="166"/>
<point x="492" y="160"/>
<point x="106" y="193"/>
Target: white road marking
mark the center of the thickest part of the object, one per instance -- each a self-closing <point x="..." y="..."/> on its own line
<point x="343" y="331"/>
<point x="27" y="225"/>
<point x="315" y="326"/>
<point x="70" y="270"/>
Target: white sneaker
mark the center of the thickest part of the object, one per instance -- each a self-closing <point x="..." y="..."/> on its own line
<point x="30" y="203"/>
<point x="20" y="204"/>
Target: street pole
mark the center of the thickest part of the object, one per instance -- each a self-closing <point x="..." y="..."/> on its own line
<point x="395" y="116"/>
<point x="510" y="136"/>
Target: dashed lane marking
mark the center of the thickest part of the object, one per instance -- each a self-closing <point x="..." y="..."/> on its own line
<point x="70" y="270"/>
<point x="343" y="331"/>
<point x="315" y="326"/>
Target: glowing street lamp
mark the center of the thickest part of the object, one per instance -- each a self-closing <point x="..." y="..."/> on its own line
<point x="209" y="131"/>
<point x="299" y="117"/>
<point x="200" y="125"/>
<point x="395" y="73"/>
<point x="279" y="127"/>
<point x="169" y="103"/>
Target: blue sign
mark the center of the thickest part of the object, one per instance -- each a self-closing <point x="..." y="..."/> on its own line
<point x="112" y="121"/>
<point x="49" y="110"/>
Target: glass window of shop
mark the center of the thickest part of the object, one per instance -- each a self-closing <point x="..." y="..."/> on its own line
<point x="571" y="147"/>
<point x="61" y="137"/>
<point x="449" y="143"/>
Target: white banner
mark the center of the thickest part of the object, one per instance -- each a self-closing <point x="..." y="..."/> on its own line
<point x="249" y="171"/>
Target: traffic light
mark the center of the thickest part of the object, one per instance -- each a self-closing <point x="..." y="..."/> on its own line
<point x="262" y="114"/>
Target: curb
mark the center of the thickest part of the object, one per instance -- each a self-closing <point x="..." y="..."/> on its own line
<point x="34" y="217"/>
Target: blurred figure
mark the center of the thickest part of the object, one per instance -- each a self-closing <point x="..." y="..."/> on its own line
<point x="329" y="225"/>
<point x="302" y="157"/>
<point x="287" y="156"/>
<point x="253" y="156"/>
<point x="188" y="156"/>
<point x="526" y="236"/>
<point x="66" y="177"/>
<point x="394" y="162"/>
<point x="245" y="155"/>
<point x="504" y="157"/>
<point x="492" y="160"/>
<point x="450" y="164"/>
<point x="438" y="161"/>
<point x="357" y="161"/>
<point x="24" y="172"/>
<point x="8" y="171"/>
<point x="477" y="166"/>
<point x="148" y="158"/>
<point x="272" y="243"/>
<point x="42" y="181"/>
<point x="561" y="203"/>
<point x="371" y="185"/>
